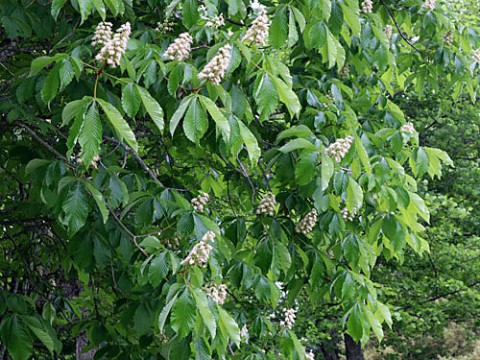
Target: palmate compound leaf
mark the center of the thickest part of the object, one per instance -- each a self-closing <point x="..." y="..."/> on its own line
<point x="119" y="124"/>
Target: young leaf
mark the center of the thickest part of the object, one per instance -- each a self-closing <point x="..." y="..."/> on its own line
<point x="119" y="124"/>
<point x="15" y="337"/>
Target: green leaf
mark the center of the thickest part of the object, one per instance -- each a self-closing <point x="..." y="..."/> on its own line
<point x="204" y="310"/>
<point x="195" y="124"/>
<point x="279" y="28"/>
<point x="288" y="97"/>
<point x="119" y="124"/>
<point x="327" y="169"/>
<point x="374" y="323"/>
<point x="250" y="141"/>
<point x="183" y="315"/>
<point x="131" y="99"/>
<point x="142" y="320"/>
<point x="39" y="63"/>
<point x="217" y="116"/>
<point x="354" y="323"/>
<point x="351" y="14"/>
<point x="297" y="344"/>
<point x="152" y="106"/>
<point x="362" y="154"/>
<point x="57" y="5"/>
<point x="354" y="195"/>
<point x="72" y="109"/>
<point x="422" y="162"/>
<point x="51" y="85"/>
<point x="65" y="73"/>
<point x="266" y="96"/>
<point x="86" y="7"/>
<point x="306" y="168"/>
<point x="98" y="197"/>
<point x="158" y="269"/>
<point x="296" y="144"/>
<point x="16" y="338"/>
<point x="164" y="313"/>
<point x="36" y="326"/>
<point x="300" y="131"/>
<point x="190" y="13"/>
<point x="100" y="7"/>
<point x="179" y="113"/>
<point x="75" y="207"/>
<point x="90" y="136"/>
<point x="228" y="326"/>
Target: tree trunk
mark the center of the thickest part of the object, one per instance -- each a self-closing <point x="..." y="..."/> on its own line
<point x="329" y="351"/>
<point x="353" y="349"/>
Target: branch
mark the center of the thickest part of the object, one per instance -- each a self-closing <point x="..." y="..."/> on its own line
<point x="132" y="235"/>
<point x="399" y="30"/>
<point x="137" y="158"/>
<point x="40" y="140"/>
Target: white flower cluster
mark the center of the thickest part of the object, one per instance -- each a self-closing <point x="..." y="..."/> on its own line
<point x="306" y="225"/>
<point x="215" y="70"/>
<point x="257" y="33"/>
<point x="165" y="26"/>
<point x="344" y="71"/>
<point x="347" y="216"/>
<point x="289" y="318"/>
<point x="200" y="201"/>
<point x="112" y="51"/>
<point x="429" y="4"/>
<point x="218" y="293"/>
<point x="407" y="128"/>
<point x="215" y="22"/>
<point x="201" y="251"/>
<point x="340" y="148"/>
<point x="448" y="38"/>
<point x="180" y="49"/>
<point x="367" y="6"/>
<point x="476" y="56"/>
<point x="388" y="31"/>
<point x="309" y="355"/>
<point x="103" y="34"/>
<point x="256" y="6"/>
<point x="244" y="335"/>
<point x="267" y="205"/>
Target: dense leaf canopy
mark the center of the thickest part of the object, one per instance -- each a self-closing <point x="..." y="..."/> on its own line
<point x="186" y="202"/>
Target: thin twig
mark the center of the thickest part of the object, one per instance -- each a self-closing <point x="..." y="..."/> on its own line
<point x="137" y="158"/>
<point x="41" y="141"/>
<point x="399" y="30"/>
<point x="131" y="234"/>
